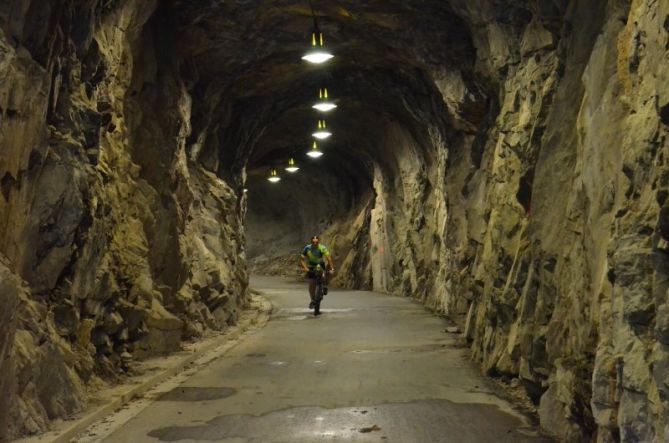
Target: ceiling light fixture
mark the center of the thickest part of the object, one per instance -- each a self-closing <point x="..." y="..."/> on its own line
<point x="321" y="133"/>
<point x="273" y="176"/>
<point x="292" y="166"/>
<point x="317" y="54"/>
<point x="314" y="152"/>
<point x="324" y="104"/>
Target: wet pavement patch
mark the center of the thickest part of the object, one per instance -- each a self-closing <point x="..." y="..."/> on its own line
<point x="369" y="429"/>
<point x="189" y="393"/>
<point x="432" y="347"/>
<point x="297" y="314"/>
<point x="278" y="363"/>
<point x="255" y="355"/>
<point x="418" y="421"/>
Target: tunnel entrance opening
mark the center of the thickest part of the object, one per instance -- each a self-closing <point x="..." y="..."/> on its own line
<point x="282" y="217"/>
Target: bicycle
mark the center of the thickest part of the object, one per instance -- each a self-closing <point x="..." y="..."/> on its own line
<point x="319" y="275"/>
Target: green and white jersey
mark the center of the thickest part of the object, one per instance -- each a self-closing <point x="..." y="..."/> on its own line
<point x="315" y="255"/>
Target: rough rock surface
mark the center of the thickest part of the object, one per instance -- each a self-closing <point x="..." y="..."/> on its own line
<point x="10" y="295"/>
<point x="530" y="206"/>
<point x="110" y="225"/>
<point x="503" y="162"/>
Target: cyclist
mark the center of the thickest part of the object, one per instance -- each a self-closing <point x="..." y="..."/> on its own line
<point x="315" y="254"/>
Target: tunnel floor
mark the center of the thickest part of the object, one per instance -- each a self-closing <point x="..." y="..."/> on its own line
<point x="371" y="368"/>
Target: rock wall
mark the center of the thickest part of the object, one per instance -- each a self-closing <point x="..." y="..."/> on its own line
<point x="111" y="238"/>
<point x="523" y="191"/>
<point x="542" y="231"/>
<point x="538" y="221"/>
<point x="10" y="288"/>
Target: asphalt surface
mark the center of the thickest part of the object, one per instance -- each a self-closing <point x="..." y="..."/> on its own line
<point x="371" y="368"/>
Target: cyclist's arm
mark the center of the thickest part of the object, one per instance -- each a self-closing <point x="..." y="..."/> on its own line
<point x="330" y="262"/>
<point x="303" y="264"/>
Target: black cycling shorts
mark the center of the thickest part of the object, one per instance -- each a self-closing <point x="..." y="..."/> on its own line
<point x="312" y="270"/>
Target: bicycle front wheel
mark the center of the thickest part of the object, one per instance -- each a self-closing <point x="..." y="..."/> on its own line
<point x="318" y="297"/>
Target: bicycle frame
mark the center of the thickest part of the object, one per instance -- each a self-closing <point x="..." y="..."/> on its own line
<point x="319" y="275"/>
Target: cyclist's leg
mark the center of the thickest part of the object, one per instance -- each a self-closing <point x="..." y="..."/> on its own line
<point x="312" y="287"/>
<point x="326" y="277"/>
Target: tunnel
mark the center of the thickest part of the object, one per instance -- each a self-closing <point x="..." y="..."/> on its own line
<point x="501" y="163"/>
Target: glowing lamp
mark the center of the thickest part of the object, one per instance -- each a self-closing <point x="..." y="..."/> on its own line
<point x="321" y="133"/>
<point x="273" y="176"/>
<point x="292" y="167"/>
<point x="317" y="54"/>
<point x="324" y="104"/>
<point x="314" y="152"/>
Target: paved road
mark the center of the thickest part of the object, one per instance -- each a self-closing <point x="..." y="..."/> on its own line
<point x="372" y="368"/>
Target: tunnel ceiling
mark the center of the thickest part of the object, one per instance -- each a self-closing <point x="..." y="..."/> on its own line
<point x="248" y="55"/>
